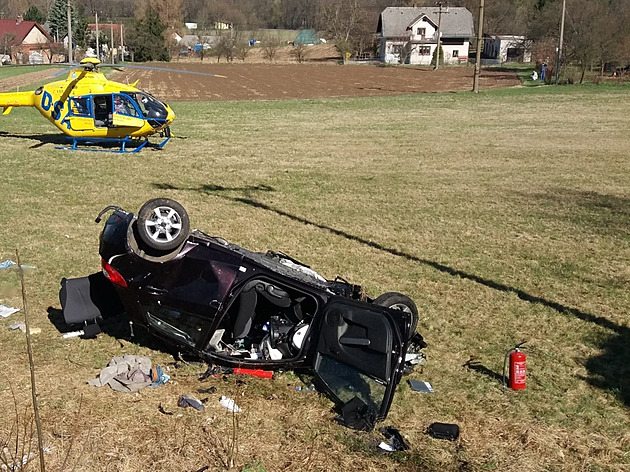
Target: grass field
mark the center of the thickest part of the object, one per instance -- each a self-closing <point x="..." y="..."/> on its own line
<point x="505" y="215"/>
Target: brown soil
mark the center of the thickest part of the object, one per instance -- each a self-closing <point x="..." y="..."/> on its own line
<point x="321" y="76"/>
<point x="23" y="80"/>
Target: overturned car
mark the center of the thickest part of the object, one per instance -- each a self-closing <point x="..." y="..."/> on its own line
<point x="234" y="307"/>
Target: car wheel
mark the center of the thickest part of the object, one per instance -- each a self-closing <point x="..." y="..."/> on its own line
<point x="398" y="301"/>
<point x="163" y="224"/>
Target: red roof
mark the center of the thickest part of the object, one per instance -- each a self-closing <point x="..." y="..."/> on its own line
<point x="21" y="29"/>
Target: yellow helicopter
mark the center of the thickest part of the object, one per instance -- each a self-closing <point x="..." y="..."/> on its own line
<point x="89" y="108"/>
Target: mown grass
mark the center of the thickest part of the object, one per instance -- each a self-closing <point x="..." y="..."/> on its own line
<point x="503" y="214"/>
<point x="13" y="71"/>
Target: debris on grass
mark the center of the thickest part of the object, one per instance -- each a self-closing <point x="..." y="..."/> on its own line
<point x="9" y="263"/>
<point x="130" y="374"/>
<point x="229" y="404"/>
<point x="443" y="431"/>
<point x="419" y="386"/>
<point x="22" y="327"/>
<point x="6" y="311"/>
<point x="189" y="399"/>
<point x="395" y="441"/>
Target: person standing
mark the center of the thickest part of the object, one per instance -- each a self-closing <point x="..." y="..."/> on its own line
<point x="543" y="71"/>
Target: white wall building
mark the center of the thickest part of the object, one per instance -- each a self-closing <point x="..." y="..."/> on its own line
<point x="409" y="35"/>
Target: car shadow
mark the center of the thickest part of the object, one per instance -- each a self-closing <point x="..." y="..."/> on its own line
<point x="608" y="371"/>
<point x="118" y="327"/>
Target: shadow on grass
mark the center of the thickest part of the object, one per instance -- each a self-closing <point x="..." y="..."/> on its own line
<point x="603" y="213"/>
<point x="57" y="139"/>
<point x="610" y="371"/>
<point x="118" y="327"/>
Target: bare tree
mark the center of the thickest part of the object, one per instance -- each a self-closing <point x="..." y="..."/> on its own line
<point x="270" y="47"/>
<point x="299" y="52"/>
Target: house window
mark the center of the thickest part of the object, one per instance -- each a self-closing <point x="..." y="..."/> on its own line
<point x="396" y="48"/>
<point x="424" y="50"/>
<point x="421" y="32"/>
<point x="455" y="53"/>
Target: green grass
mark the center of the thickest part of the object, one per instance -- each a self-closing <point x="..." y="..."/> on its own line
<point x="504" y="214"/>
<point x="13" y="71"/>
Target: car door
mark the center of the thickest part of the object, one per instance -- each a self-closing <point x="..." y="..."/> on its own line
<point x="359" y="359"/>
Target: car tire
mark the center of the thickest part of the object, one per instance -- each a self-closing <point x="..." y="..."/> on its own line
<point x="162" y="224"/>
<point x="398" y="301"/>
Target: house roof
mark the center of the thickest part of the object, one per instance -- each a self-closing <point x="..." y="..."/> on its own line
<point x="21" y="29"/>
<point x="457" y="23"/>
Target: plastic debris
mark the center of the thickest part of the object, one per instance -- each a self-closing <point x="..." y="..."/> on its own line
<point x="229" y="404"/>
<point x="6" y="311"/>
<point x="418" y="386"/>
<point x="386" y="447"/>
<point x="158" y="376"/>
<point x="190" y="400"/>
<point x="22" y="327"/>
<point x="394" y="438"/>
<point x="73" y="334"/>
<point x="9" y="263"/>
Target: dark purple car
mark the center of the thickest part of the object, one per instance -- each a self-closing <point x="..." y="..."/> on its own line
<point x="233" y="307"/>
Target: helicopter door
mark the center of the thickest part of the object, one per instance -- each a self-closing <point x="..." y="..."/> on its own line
<point x="102" y="111"/>
<point x="79" y="115"/>
<point x="125" y="112"/>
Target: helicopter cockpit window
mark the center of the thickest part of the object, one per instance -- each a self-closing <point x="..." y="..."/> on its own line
<point x="124" y="105"/>
<point x="151" y="108"/>
<point x="79" y="106"/>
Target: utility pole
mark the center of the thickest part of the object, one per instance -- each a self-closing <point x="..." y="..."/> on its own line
<point x="98" y="54"/>
<point x="559" y="56"/>
<point x="122" y="47"/>
<point x="111" y="37"/>
<point x="70" y="59"/>
<point x="439" y="34"/>
<point x="479" y="46"/>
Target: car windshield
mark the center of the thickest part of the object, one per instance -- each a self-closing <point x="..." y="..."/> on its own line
<point x="347" y="382"/>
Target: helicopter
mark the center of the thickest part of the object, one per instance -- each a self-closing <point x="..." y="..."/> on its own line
<point x="90" y="109"/>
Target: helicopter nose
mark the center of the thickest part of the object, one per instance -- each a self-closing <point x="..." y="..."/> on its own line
<point x="170" y="116"/>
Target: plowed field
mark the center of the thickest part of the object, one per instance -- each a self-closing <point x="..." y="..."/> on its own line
<point x="258" y="81"/>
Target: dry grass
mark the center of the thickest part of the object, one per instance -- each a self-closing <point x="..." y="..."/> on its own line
<point x="504" y="215"/>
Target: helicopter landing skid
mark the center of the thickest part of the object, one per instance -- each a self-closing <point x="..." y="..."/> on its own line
<point x="122" y="142"/>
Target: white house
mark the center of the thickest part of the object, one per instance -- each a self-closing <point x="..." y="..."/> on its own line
<point x="506" y="48"/>
<point x="409" y="35"/>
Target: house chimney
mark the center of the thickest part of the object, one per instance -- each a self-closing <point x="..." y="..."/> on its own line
<point x="18" y="20"/>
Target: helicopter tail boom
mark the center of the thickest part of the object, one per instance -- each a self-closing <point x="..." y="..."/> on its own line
<point x="17" y="99"/>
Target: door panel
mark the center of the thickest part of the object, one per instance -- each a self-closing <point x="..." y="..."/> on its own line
<point x="359" y="355"/>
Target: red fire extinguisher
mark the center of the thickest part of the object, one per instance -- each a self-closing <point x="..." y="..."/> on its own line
<point x="518" y="370"/>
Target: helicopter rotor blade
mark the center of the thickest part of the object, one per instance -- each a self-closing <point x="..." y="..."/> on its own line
<point x="166" y="69"/>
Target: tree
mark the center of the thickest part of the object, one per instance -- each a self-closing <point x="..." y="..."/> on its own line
<point x="146" y="38"/>
<point x="80" y="33"/>
<point x="270" y="46"/>
<point x="58" y="18"/>
<point x="342" y="19"/>
<point x="169" y="12"/>
<point x="435" y="56"/>
<point x="224" y="47"/>
<point x="299" y="52"/>
<point x="33" y="14"/>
